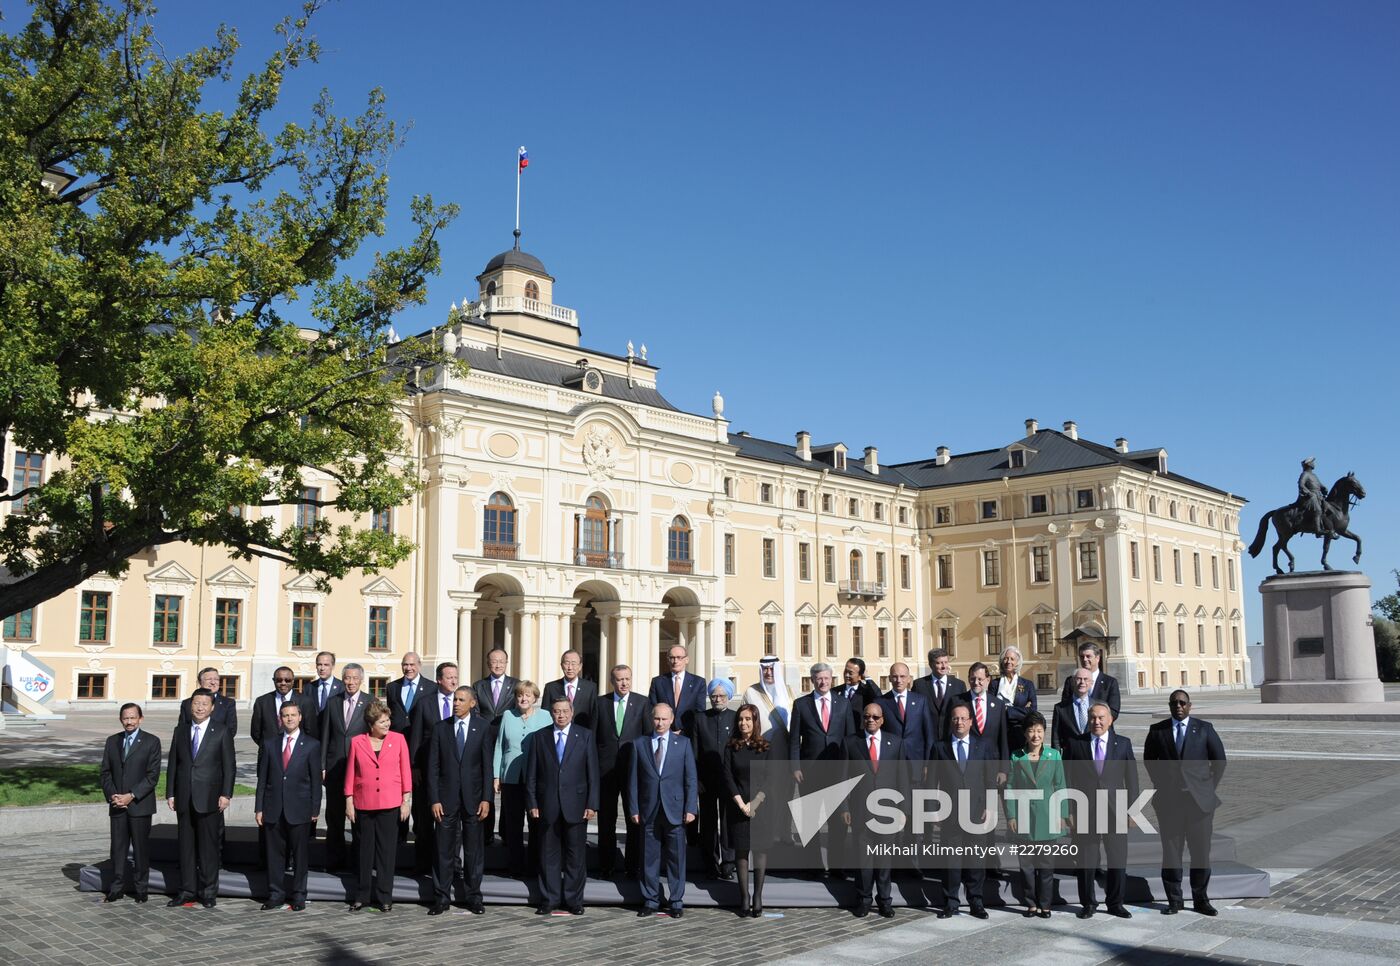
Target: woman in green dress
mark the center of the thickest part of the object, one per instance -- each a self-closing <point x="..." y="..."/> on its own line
<point x="1037" y="767"/>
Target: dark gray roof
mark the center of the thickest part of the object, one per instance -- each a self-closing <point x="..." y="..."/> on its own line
<point x="560" y="374"/>
<point x="514" y="258"/>
<point x="786" y="454"/>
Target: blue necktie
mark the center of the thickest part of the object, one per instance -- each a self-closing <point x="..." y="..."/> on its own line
<point x="461" y="737"/>
<point x="127" y="750"/>
<point x="559" y="746"/>
<point x="325" y="690"/>
<point x="194" y="742"/>
<point x="409" y="693"/>
<point x="962" y="755"/>
<point x="1180" y="737"/>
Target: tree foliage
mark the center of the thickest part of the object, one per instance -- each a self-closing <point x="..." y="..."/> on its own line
<point x="158" y="249"/>
<point x="1389" y="605"/>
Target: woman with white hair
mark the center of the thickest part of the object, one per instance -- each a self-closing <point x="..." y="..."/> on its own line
<point x="770" y="695"/>
<point x="1019" y="695"/>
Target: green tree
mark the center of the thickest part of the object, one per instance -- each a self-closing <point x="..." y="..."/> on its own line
<point x="1387" y="635"/>
<point x="1389" y="605"/>
<point x="159" y="239"/>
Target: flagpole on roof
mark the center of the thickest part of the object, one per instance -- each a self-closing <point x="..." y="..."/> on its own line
<point x="520" y="162"/>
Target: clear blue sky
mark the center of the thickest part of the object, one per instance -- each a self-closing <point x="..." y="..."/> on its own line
<point x="918" y="224"/>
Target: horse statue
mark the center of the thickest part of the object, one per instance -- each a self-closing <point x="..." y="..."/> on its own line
<point x="1292" y="519"/>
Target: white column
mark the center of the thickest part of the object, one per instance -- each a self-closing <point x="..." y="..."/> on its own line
<point x="525" y="647"/>
<point x="464" y="642"/>
<point x="508" y="629"/>
<point x="707" y="649"/>
<point x="623" y="646"/>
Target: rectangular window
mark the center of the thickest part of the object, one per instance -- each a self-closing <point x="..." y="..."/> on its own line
<point x="1040" y="565"/>
<point x="1181" y="638"/>
<point x="942" y="516"/>
<point x="770" y="566"/>
<point x="1200" y="638"/>
<point x="1196" y="567"/>
<point x="1219" y="640"/>
<point x="165" y="687"/>
<point x="228" y="617"/>
<point x="1163" y="678"/>
<point x="804" y="561"/>
<point x="29" y="471"/>
<point x="377" y="638"/>
<point x="906" y="642"/>
<point x="228" y="686"/>
<point x="879" y="511"/>
<point x="801" y="499"/>
<point x="729" y="487"/>
<point x="20" y="627"/>
<point x="1084" y="499"/>
<point x="880" y="568"/>
<point x="1184" y="679"/>
<point x="903" y="515"/>
<point x="829" y="564"/>
<point x="945" y="571"/>
<point x="1044" y="682"/>
<point x="308" y="513"/>
<point x="1230" y="572"/>
<point x="989" y="509"/>
<point x="1142" y="679"/>
<point x="1157" y="563"/>
<point x="765" y="493"/>
<point x="993" y="638"/>
<point x="303" y="625"/>
<point x="1045" y="638"/>
<point x="1161" y="637"/>
<point x="948" y="641"/>
<point x="991" y="568"/>
<point x="1176" y="564"/>
<point x="166" y="626"/>
<point x="93" y="686"/>
<point x="1215" y="571"/>
<point x="729" y="554"/>
<point x="830" y="640"/>
<point x="1089" y="561"/>
<point x="1138" y="643"/>
<point x="1040" y="503"/>
<point x="1234" y="640"/>
<point x="378" y="686"/>
<point x="94" y="616"/>
<point x="1133" y="558"/>
<point x="826" y="502"/>
<point x="852" y="507"/>
<point x="770" y="639"/>
<point x="729" y="644"/>
<point x="904" y="577"/>
<point x="857" y="641"/>
<point x="804" y="640"/>
<point x="1018" y="459"/>
<point x="382" y="521"/>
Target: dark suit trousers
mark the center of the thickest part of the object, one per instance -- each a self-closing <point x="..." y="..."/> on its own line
<point x="1115" y="847"/>
<point x="284" y="841"/>
<point x="134" y="832"/>
<point x="872" y="872"/>
<point x="562" y="861"/>
<point x="1037" y="876"/>
<point x="514" y="816"/>
<point x="197" y="834"/>
<point x="1184" y="822"/>
<point x="335" y="820"/>
<point x="424" y="828"/>
<point x="663" y="846"/>
<point x="965" y="869"/>
<point x="460" y="830"/>
<point x="611" y="787"/>
<point x="714" y="826"/>
<point x="379" y="842"/>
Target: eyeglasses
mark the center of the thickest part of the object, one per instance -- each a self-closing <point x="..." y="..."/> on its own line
<point x="281" y="680"/>
<point x="873" y="717"/>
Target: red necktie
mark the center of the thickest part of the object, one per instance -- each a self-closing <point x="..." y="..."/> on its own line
<point x="901" y="709"/>
<point x="286" y="752"/>
<point x="874" y="755"/>
<point x="981" y="716"/>
<point x="826" y="715"/>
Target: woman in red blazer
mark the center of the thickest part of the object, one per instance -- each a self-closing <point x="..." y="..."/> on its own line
<point x="378" y="796"/>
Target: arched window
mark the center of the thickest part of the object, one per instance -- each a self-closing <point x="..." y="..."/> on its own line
<point x="855" y="566"/>
<point x="678" y="544"/>
<point x="593" y="532"/>
<point x="1152" y="504"/>
<point x="490" y="289"/>
<point x="1132" y="500"/>
<point x="532" y="291"/>
<point x="1210" y="518"/>
<point x="1171" y="509"/>
<point x="498" y="527"/>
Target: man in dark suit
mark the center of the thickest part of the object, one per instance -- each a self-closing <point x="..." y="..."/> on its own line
<point x="942" y="687"/>
<point x="581" y="693"/>
<point x="683" y="691"/>
<point x="908" y="715"/>
<point x="428" y="710"/>
<point x="199" y="783"/>
<point x="662" y="799"/>
<point x="342" y="719"/>
<point x="820" y="723"/>
<point x="319" y="692"/>
<point x="225" y="709"/>
<point x="495" y="695"/>
<point x="855" y="688"/>
<point x="561" y="792"/>
<point x="1186" y="760"/>
<point x="287" y="804"/>
<point x="623" y="716"/>
<point x="713" y="729"/>
<point x="460" y="788"/>
<point x="1102" y="760"/>
<point x="130" y="772"/>
<point x="1072" y="715"/>
<point x="267" y="709"/>
<point x="403" y="693"/>
<point x="879" y="754"/>
<point x="988" y="713"/>
<point x="1103" y="687"/>
<point x="965" y="763"/>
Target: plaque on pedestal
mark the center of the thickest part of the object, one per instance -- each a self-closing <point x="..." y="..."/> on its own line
<point x="1318" y="643"/>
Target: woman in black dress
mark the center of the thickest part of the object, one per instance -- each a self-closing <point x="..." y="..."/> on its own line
<point x="746" y="747"/>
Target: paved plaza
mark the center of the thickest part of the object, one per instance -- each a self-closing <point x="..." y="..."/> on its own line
<point x="1327" y="830"/>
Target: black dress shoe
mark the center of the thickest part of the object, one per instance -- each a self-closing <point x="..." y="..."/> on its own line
<point x="385" y="906"/>
<point x="675" y="912"/>
<point x="437" y="908"/>
<point x="757" y="912"/>
<point x="179" y="900"/>
<point x="299" y="906"/>
<point x="140" y="897"/>
<point x="886" y="910"/>
<point x="1086" y="913"/>
<point x="209" y="903"/>
<point x="112" y="897"/>
<point x="947" y="913"/>
<point x="646" y="912"/>
<point x="269" y="905"/>
<point x="476" y="907"/>
<point x="545" y="911"/>
<point x="725" y="875"/>
<point x="576" y="911"/>
<point x="978" y="912"/>
<point x="356" y="906"/>
<point x="1044" y="913"/>
<point x="1173" y="907"/>
<point x="1204" y="907"/>
<point x="1120" y="912"/>
<point x="862" y="910"/>
<point x="1028" y="914"/>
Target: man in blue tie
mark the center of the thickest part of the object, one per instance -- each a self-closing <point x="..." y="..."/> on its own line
<point x="1186" y="761"/>
<point x="966" y="770"/>
<point x="317" y="695"/>
<point x="663" y="797"/>
<point x="561" y="792"/>
<point x="460" y="786"/>
<point x="1104" y="761"/>
<point x="199" y="786"/>
<point x="1071" y="716"/>
<point x="130" y="770"/>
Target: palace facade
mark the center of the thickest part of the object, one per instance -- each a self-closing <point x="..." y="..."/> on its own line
<point x="567" y="502"/>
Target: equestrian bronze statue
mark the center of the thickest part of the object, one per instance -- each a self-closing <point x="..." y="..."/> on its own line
<point x="1322" y="513"/>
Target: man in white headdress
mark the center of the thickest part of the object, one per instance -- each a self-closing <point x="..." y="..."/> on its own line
<point x="770" y="695"/>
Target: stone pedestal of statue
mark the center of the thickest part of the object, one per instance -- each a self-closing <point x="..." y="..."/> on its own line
<point x="1318" y="643"/>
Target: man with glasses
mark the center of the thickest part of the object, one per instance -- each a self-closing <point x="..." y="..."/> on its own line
<point x="267" y="709"/>
<point x="682" y="690"/>
<point x="876" y="753"/>
<point x="225" y="709"/>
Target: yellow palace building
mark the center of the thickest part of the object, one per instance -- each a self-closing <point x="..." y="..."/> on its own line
<point x="568" y="503"/>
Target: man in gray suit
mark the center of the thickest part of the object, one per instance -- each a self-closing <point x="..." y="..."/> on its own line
<point x="663" y="797"/>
